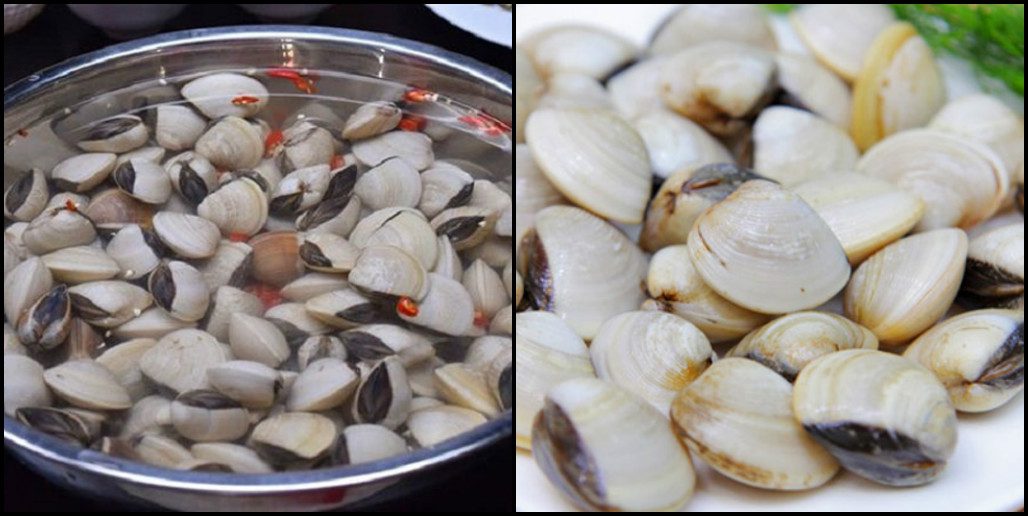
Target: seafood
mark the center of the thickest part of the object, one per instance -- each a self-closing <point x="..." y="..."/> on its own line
<point x="87" y="384"/>
<point x="984" y="119"/>
<point x="529" y="86"/>
<point x="561" y="49"/>
<point x="23" y="384"/>
<point x="840" y="35"/>
<point x="213" y="95"/>
<point x="81" y="265"/>
<point x="994" y="273"/>
<point x="144" y="180"/>
<point x="807" y="85"/>
<point x="238" y="207"/>
<point x="187" y="236"/>
<point x="674" y="142"/>
<point x="208" y="416"/>
<point x="117" y="134"/>
<point x="109" y="304"/>
<point x="27" y="197"/>
<point x="372" y="119"/>
<point x="695" y="24"/>
<point x="192" y="175"/>
<point x="180" y="290"/>
<point x="57" y="229"/>
<point x="791" y="146"/>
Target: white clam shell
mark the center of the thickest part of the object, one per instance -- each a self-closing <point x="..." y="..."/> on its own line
<point x="239" y="459"/>
<point x="80" y="265"/>
<point x="399" y="227"/>
<point x="233" y="143"/>
<point x="108" y="304"/>
<point x="258" y="340"/>
<point x="180" y="360"/>
<point x="413" y="147"/>
<point x="84" y="172"/>
<point x="228" y="267"/>
<point x="208" y="416"/>
<point x="226" y="302"/>
<point x="151" y="324"/>
<point x="58" y="229"/>
<point x="392" y="183"/>
<point x="994" y="274"/>
<point x="180" y="289"/>
<point x="569" y="90"/>
<point x="486" y="288"/>
<point x="87" y="384"/>
<point x="816" y="87"/>
<point x="390" y="270"/>
<point x="635" y="91"/>
<point x="323" y="385"/>
<point x="133" y="252"/>
<point x="23" y="384"/>
<point x="577" y="48"/>
<point x="372" y="119"/>
<point x="300" y="190"/>
<point x="464" y="387"/>
<point x="301" y="436"/>
<point x="213" y="95"/>
<point x="144" y="180"/>
<point x="252" y="384"/>
<point x="149" y="415"/>
<point x="344" y="308"/>
<point x="840" y="35"/>
<point x="383" y="396"/>
<point x="984" y="119"/>
<point x="791" y="146"/>
<point x="431" y="426"/>
<point x="532" y="191"/>
<point x="178" y="127"/>
<point x="29" y="281"/>
<point x="444" y="186"/>
<point x="27" y="197"/>
<point x="186" y="235"/>
<point x="674" y="142"/>
<point x="239" y="207"/>
<point x="162" y="451"/>
<point x="313" y="285"/>
<point x="369" y="443"/>
<point x="123" y="361"/>
<point x="695" y="24"/>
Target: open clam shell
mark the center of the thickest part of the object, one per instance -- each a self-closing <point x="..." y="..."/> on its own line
<point x="790" y="261"/>
<point x="651" y="354"/>
<point x="906" y="287"/>
<point x="621" y="458"/>
<point x="994" y="274"/>
<point x="978" y="356"/>
<point x="372" y="119"/>
<point x="789" y="343"/>
<point x="565" y="277"/>
<point x="567" y="143"/>
<point x="884" y="417"/>
<point x="695" y="24"/>
<point x="738" y="418"/>
<point x="791" y="146"/>
<point x="841" y="34"/>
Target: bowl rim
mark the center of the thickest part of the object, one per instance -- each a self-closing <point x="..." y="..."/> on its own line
<point x="26" y="440"/>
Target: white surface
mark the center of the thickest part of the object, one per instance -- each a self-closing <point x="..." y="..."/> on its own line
<point x="985" y="474"/>
<point x="486" y="21"/>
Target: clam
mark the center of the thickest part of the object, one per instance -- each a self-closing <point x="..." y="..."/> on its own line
<point x="621" y="458"/>
<point x="187" y="236"/>
<point x="683" y="197"/>
<point x="28" y="282"/>
<point x="337" y="216"/>
<point x="62" y="424"/>
<point x="23" y="384"/>
<point x="718" y="84"/>
<point x="431" y="426"/>
<point x="444" y="186"/>
<point x="899" y="86"/>
<point x="57" y="229"/>
<point x="994" y="274"/>
<point x="226" y="302"/>
<point x="635" y="91"/>
<point x="383" y="397"/>
<point x="87" y="384"/>
<point x="47" y="322"/>
<point x="178" y="127"/>
<point x="13" y="239"/>
<point x="180" y="290"/>
<point x="195" y="464"/>
<point x="906" y="287"/>
<point x="326" y="252"/>
<point x="512" y="280"/>
<point x="389" y="271"/>
<point x="84" y="341"/>
<point x="123" y="361"/>
<point x="293" y="438"/>
<point x="462" y="386"/>
<point x="884" y="417"/>
<point x="27" y="197"/>
<point x="232" y="143"/>
<point x="12" y="260"/>
<point x="448" y="308"/>
<point x="865" y="213"/>
<point x="483" y="351"/>
<point x="372" y="119"/>
<point x="136" y="251"/>
<point x="840" y="35"/>
<point x="108" y="304"/>
<point x="117" y="134"/>
<point x="448" y="262"/>
<point x="424" y="403"/>
<point x="81" y="265"/>
<point x="529" y="86"/>
<point x="226" y="94"/>
<point x="269" y="170"/>
<point x="305" y="145"/>
<point x="984" y="119"/>
<point x="548" y="352"/>
<point x="792" y="262"/>
<point x="503" y="322"/>
<point x="422" y="379"/>
<point x="978" y="356"/>
<point x="787" y="344"/>
<point x="293" y="320"/>
<point x="394" y="182"/>
<point x="564" y="276"/>
<point x="229" y="267"/>
<point x="692" y="25"/>
<point x="375" y="342"/>
<point x="651" y="354"/>
<point x="180" y="360"/>
<point x="569" y="90"/>
<point x="807" y="85"/>
<point x="161" y="451"/>
<point x="413" y="147"/>
<point x="344" y="309"/>
<point x="577" y="48"/>
<point x="143" y="180"/>
<point x="674" y="142"/>
<point x="239" y="459"/>
<point x="252" y="384"/>
<point x="317" y="348"/>
<point x="239" y="207"/>
<point x="737" y="417"/>
<point x="12" y="346"/>
<point x="151" y="324"/>
<point x="466" y="227"/>
<point x="400" y="227"/>
<point x="500" y="381"/>
<point x="532" y="191"/>
<point x="300" y="190"/>
<point x="112" y="210"/>
<point x="61" y="200"/>
<point x="152" y="154"/>
<point x="567" y="143"/>
<point x="192" y="175"/>
<point x="208" y="416"/>
<point x="675" y="287"/>
<point x="359" y="444"/>
<point x="257" y="340"/>
<point x="791" y="146"/>
<point x="325" y="384"/>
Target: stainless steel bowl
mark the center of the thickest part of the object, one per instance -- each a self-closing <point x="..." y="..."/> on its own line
<point x="82" y="80"/>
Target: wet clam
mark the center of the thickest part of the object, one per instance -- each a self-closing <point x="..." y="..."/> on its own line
<point x="178" y="127"/>
<point x="226" y="94"/>
<point x="252" y="384"/>
<point x="293" y="438"/>
<point x="400" y="227"/>
<point x="563" y="274"/>
<point x="841" y="34"/>
<point x="884" y="417"/>
<point x="899" y="86"/>
<point x="180" y="360"/>
<point x="116" y="134"/>
<point x="180" y="289"/>
<point x="80" y="265"/>
<point x="276" y="257"/>
<point x="651" y="354"/>
<point x="239" y="459"/>
<point x="317" y="348"/>
<point x="151" y="324"/>
<point x="12" y="346"/>
<point x="393" y="182"/>
<point x="737" y="417"/>
<point x="123" y="361"/>
<point x="57" y="229"/>
<point x="787" y="344"/>
<point x="635" y="91"/>
<point x="621" y="458"/>
<point x="208" y="416"/>
<point x="257" y="340"/>
<point x="466" y="227"/>
<point x="87" y="384"/>
<point x="444" y="186"/>
<point x="448" y="262"/>
<point x="113" y="210"/>
<point x="108" y="304"/>
<point x="961" y="182"/>
<point x="978" y="356"/>
<point x="61" y="424"/>
<point x="413" y="147"/>
<point x="503" y="323"/>
<point x="29" y="281"/>
<point x="325" y="384"/>
<point x="994" y="274"/>
<point x="431" y="426"/>
<point x="161" y="451"/>
<point x="27" y="197"/>
<point x="305" y="145"/>
<point x="11" y="258"/>
<point x="566" y="143"/>
<point x="793" y="262"/>
<point x="300" y="190"/>
<point x="372" y="119"/>
<point x="465" y="387"/>
<point x="389" y="271"/>
<point x="577" y="48"/>
<point x="384" y="396"/>
<point x="337" y="216"/>
<point x="192" y="175"/>
<point x="532" y="191"/>
<point x="791" y="146"/>
<point x="375" y="342"/>
<point x="143" y="180"/>
<point x="359" y="444"/>
<point x="229" y="267"/>
<point x="325" y="252"/>
<point x="903" y="289"/>
<point x="448" y="308"/>
<point x="47" y="323"/>
<point x="296" y="323"/>
<point x="486" y="288"/>
<point x="865" y="213"/>
<point x="23" y="384"/>
<point x="232" y="143"/>
<point x="238" y="207"/>
<point x="569" y="90"/>
<point x="344" y="308"/>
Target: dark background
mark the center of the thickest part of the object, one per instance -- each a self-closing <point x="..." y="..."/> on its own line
<point x="58" y="34"/>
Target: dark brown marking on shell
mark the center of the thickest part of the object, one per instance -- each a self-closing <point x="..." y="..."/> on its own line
<point x="717" y="181"/>
<point x="155" y="244"/>
<point x="323" y="212"/>
<point x="375" y="397"/>
<point x="341" y="451"/>
<point x="211" y="467"/>
<point x="162" y="286"/>
<point x="193" y="188"/>
<point x="453" y="350"/>
<point x="725" y="463"/>
<point x="206" y="399"/>
<point x="294" y="335"/>
<point x="119" y="448"/>
<point x="287" y="204"/>
<point x="506" y="386"/>
<point x="1006" y="366"/>
<point x="312" y="256"/>
<point x="365" y="346"/>
<point x="562" y="452"/>
<point x="19" y="192"/>
<point x="786" y="372"/>
<point x="987" y="286"/>
<point x="878" y="454"/>
<point x="111" y="128"/>
<point x="241" y="276"/>
<point x="47" y="323"/>
<point x="538" y="279"/>
<point x="86" y="308"/>
<point x="57" y="423"/>
<point x="463" y="196"/>
<point x="125" y="177"/>
<point x="461" y="228"/>
<point x="276" y="455"/>
<point x="365" y="313"/>
<point x="342" y="183"/>
<point x="84" y="340"/>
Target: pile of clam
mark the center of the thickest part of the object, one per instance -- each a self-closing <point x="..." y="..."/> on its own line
<point x="196" y="291"/>
<point x="775" y="244"/>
